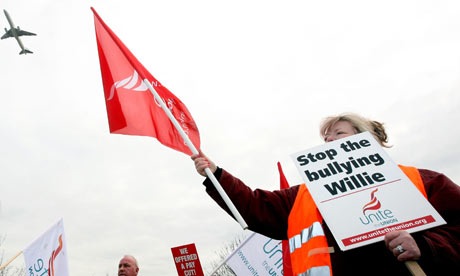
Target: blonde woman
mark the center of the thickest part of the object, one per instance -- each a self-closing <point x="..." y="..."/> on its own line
<point x="290" y="213"/>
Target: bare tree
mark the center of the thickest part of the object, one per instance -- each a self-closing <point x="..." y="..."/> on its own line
<point x="9" y="270"/>
<point x="217" y="266"/>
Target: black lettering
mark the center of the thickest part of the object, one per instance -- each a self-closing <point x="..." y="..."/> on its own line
<point x="357" y="181"/>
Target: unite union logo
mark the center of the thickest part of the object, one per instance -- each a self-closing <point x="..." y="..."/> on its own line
<point x="374" y="214"/>
<point x="54" y="254"/>
<point x="374" y="204"/>
<point x="132" y="82"/>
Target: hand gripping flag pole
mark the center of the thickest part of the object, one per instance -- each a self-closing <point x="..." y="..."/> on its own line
<point x="132" y="112"/>
<point x="192" y="147"/>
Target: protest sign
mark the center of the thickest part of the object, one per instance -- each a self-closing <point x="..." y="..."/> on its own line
<point x="187" y="261"/>
<point x="361" y="193"/>
<point x="257" y="255"/>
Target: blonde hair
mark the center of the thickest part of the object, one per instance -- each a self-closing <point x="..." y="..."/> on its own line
<point x="360" y="124"/>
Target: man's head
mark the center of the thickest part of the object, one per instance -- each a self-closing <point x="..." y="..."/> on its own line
<point x="128" y="266"/>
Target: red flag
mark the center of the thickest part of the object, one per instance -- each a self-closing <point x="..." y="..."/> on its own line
<point x="287" y="267"/>
<point x="131" y="108"/>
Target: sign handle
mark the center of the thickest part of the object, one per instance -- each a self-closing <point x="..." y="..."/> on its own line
<point x="414" y="268"/>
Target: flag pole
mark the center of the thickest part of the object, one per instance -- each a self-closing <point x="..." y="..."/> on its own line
<point x="12" y="259"/>
<point x="190" y="145"/>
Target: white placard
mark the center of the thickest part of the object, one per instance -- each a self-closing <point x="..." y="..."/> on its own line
<point x="361" y="193"/>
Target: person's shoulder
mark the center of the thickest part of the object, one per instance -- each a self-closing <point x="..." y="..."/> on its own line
<point x="423" y="172"/>
<point x="429" y="176"/>
<point x="434" y="177"/>
<point x="428" y="173"/>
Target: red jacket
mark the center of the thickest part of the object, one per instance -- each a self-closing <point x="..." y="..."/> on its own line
<point x="266" y="212"/>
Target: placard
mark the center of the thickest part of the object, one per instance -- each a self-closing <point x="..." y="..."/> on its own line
<point x="361" y="193"/>
<point x="187" y="261"/>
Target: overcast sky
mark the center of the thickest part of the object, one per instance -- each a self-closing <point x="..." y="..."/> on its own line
<point x="257" y="76"/>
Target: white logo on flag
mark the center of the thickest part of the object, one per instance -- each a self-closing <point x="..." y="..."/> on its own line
<point x="132" y="82"/>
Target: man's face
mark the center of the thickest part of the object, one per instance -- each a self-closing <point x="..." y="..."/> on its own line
<point x="127" y="267"/>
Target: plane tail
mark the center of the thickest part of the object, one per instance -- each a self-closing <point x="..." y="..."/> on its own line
<point x="26" y="51"/>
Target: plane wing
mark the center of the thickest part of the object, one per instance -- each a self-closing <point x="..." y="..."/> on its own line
<point x="22" y="32"/>
<point x="19" y="32"/>
<point x="7" y="34"/>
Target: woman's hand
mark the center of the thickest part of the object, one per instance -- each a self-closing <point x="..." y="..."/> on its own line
<point x="403" y="246"/>
<point x="202" y="162"/>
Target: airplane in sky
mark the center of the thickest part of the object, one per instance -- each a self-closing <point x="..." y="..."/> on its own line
<point x="16" y="33"/>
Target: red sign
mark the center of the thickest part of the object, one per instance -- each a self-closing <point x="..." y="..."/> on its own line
<point x="186" y="260"/>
